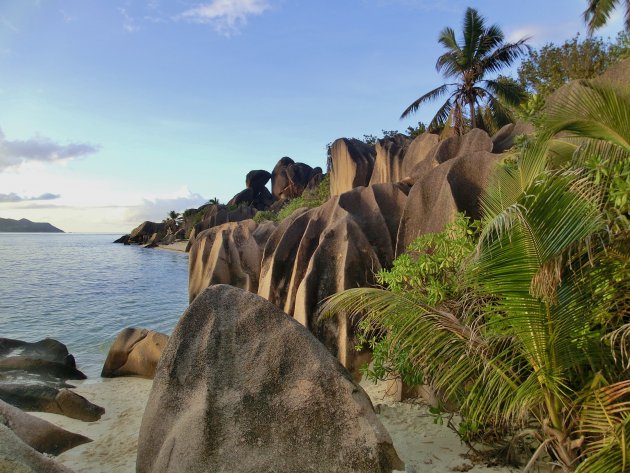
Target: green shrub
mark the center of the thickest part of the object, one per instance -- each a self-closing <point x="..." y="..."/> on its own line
<point x="431" y="270"/>
<point x="265" y="215"/>
<point x="310" y="199"/>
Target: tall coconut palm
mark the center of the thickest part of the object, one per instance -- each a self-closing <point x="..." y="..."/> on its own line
<point x="598" y="13"/>
<point x="482" y="50"/>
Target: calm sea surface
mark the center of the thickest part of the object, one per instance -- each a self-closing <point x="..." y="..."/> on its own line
<point x="82" y="289"/>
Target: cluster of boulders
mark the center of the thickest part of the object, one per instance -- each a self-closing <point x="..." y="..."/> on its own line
<point x="288" y="181"/>
<point x="33" y="377"/>
<point x="383" y="197"/>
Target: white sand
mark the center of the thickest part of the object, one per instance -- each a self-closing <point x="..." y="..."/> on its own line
<point x="115" y="435"/>
<point x="177" y="246"/>
<point x="420" y="443"/>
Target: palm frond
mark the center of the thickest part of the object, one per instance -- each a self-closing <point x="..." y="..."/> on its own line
<point x="503" y="56"/>
<point x="474" y="26"/>
<point x="594" y="110"/>
<point x="512" y="93"/>
<point x="429" y="96"/>
<point x="448" y="40"/>
<point x="598" y="13"/>
<point x="605" y="423"/>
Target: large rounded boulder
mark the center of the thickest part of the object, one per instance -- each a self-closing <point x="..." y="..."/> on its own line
<point x="243" y="388"/>
<point x="453" y="186"/>
<point x="135" y="352"/>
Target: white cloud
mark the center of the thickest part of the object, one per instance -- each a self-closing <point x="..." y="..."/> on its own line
<point x="155" y="209"/>
<point x="226" y="16"/>
<point x="13" y="197"/>
<point x="129" y="23"/>
<point x="39" y="148"/>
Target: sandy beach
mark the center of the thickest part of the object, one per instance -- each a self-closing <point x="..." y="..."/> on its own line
<point x="424" y="446"/>
<point x="177" y="246"/>
<point x="115" y="435"/>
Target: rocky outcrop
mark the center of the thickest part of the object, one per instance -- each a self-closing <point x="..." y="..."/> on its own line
<point x="503" y="139"/>
<point x="256" y="194"/>
<point x="352" y="162"/>
<point x="135" y="352"/>
<point x="319" y="252"/>
<point x="17" y="457"/>
<point x="123" y="239"/>
<point x="38" y="433"/>
<point x="46" y="349"/>
<point x="228" y="254"/>
<point x="289" y="179"/>
<point x="153" y="241"/>
<point x="145" y="231"/>
<point x="257" y="179"/>
<point x="418" y="151"/>
<point x="219" y="214"/>
<point x="33" y="377"/>
<point x="390" y="155"/>
<point x="451" y="148"/>
<point x="44" y="398"/>
<point x="241" y="387"/>
<point x="453" y="186"/>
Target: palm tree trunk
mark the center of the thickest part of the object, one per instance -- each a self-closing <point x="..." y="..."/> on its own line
<point x="473" y="119"/>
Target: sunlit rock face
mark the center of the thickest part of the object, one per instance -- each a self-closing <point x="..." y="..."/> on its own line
<point x="390" y="155"/>
<point x="228" y="254"/>
<point x="319" y="252"/>
<point x="352" y="163"/>
<point x="289" y="179"/>
<point x="135" y="352"/>
<point x="437" y="196"/>
<point x="242" y="387"/>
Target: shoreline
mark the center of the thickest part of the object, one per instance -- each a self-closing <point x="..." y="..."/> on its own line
<point x="424" y="446"/>
<point x="179" y="246"/>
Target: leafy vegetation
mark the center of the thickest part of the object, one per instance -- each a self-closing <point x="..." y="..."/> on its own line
<point x="599" y="11"/>
<point x="528" y="332"/>
<point x="545" y="70"/>
<point x="309" y="199"/>
<point x="482" y="50"/>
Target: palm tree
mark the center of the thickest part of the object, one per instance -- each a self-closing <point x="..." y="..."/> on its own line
<point x="175" y="218"/>
<point x="481" y="51"/>
<point x="547" y="353"/>
<point x="598" y="12"/>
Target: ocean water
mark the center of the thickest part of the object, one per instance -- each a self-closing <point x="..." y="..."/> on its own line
<point x="82" y="289"/>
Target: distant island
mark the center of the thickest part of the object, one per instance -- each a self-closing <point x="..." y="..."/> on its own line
<point x="24" y="225"/>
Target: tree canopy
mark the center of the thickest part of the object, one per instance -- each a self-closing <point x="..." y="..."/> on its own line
<point x="546" y="69"/>
<point x="481" y="51"/>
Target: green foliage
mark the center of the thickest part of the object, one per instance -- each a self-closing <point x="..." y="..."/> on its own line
<point x="265" y="215"/>
<point x="430" y="271"/>
<point x="534" y="339"/>
<point x="414" y="131"/>
<point x="545" y="70"/>
<point x="481" y="50"/>
<point x="432" y="265"/>
<point x="311" y="198"/>
<point x="191" y="218"/>
<point x="599" y="11"/>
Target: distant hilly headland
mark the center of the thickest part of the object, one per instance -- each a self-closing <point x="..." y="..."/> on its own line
<point x="23" y="225"/>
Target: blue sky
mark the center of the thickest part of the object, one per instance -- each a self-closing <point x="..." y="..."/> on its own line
<point x="113" y="112"/>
